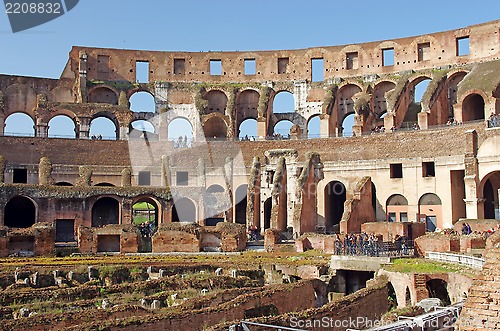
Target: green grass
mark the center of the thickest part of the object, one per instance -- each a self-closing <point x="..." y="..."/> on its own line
<point x="426" y="266"/>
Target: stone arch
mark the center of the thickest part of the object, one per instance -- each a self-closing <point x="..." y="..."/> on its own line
<point x="62" y="125"/>
<point x="378" y="104"/>
<point x="282" y="127"/>
<point x="430" y="209"/>
<point x="184" y="210"/>
<point x="103" y="94"/>
<point x="473" y="108"/>
<point x="488" y="192"/>
<point x="105" y="211"/>
<point x="247" y="105"/>
<point x="180" y="127"/>
<point x="409" y="106"/>
<point x="335" y="196"/>
<point x="454" y="78"/>
<point x="396" y="208"/>
<point x="138" y="213"/>
<point x="240" y="206"/>
<point x="215" y="188"/>
<point x="314" y="126"/>
<point x="345" y="104"/>
<point x="283" y="101"/>
<point x="215" y="126"/>
<point x="105" y="184"/>
<point x="103" y="125"/>
<point x="19" y="123"/>
<point x="142" y="101"/>
<point x="20" y="212"/>
<point x="346" y="124"/>
<point x="248" y="128"/>
<point x="216" y="102"/>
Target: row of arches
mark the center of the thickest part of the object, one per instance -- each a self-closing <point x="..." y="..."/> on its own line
<point x="22" y="211"/>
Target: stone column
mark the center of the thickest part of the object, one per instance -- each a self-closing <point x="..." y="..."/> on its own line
<point x="474" y="206"/>
<point x="261" y="128"/>
<point x="423" y="120"/>
<point x="42" y="130"/>
<point x="84" y="127"/>
<point x="123" y="133"/>
<point x="357" y="128"/>
<point x="324" y="126"/>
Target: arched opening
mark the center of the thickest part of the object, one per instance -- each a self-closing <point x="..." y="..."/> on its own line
<point x="415" y="92"/>
<point x="437" y="288"/>
<point x="282" y="129"/>
<point x="335" y="196"/>
<point x="184" y="210"/>
<point x="20" y="212"/>
<point x="346" y="126"/>
<point x="104" y="184"/>
<point x="283" y="103"/>
<point x="345" y="107"/>
<point x="215" y="188"/>
<point x="63" y="184"/>
<point x="429" y="209"/>
<point x="247" y="104"/>
<point x="145" y="211"/>
<point x="448" y="113"/>
<point x="420" y="89"/>
<point x="240" y="198"/>
<point x="408" y="298"/>
<point x="248" y="129"/>
<point x="103" y="95"/>
<point x="490" y="192"/>
<point x="102" y="127"/>
<point x="180" y="132"/>
<point x="215" y="128"/>
<point x="19" y="124"/>
<point x="473" y="108"/>
<point x="217" y="102"/>
<point x="142" y="102"/>
<point x="397" y="208"/>
<point x="105" y="211"/>
<point x="62" y="126"/>
<point x="268" y="205"/>
<point x="313" y="127"/>
<point x="391" y="296"/>
<point x="379" y="101"/>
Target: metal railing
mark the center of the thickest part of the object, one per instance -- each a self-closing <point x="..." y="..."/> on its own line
<point x="245" y="326"/>
<point x="376" y="249"/>
<point x="467" y="260"/>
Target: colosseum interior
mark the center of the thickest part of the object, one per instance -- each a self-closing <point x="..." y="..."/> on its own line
<point x="405" y="166"/>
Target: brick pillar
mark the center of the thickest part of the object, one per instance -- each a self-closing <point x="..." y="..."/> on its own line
<point x="123" y="133"/>
<point x="474" y="205"/>
<point x="42" y="130"/>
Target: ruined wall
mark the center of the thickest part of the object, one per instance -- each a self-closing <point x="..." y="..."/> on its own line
<point x="359" y="209"/>
<point x="389" y="230"/>
<point x="480" y="311"/>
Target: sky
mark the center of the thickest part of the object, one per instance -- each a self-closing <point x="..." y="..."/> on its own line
<point x="222" y="25"/>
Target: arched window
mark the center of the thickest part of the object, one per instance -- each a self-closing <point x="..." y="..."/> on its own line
<point x="180" y="131"/>
<point x="248" y="128"/>
<point x="20" y="212"/>
<point x="347" y="124"/>
<point x="313" y="127"/>
<point x="217" y="102"/>
<point x="105" y="211"/>
<point x="184" y="210"/>
<point x="103" y="95"/>
<point x="335" y="196"/>
<point x="283" y="103"/>
<point x="473" y="108"/>
<point x="102" y="126"/>
<point x="397" y="208"/>
<point x="215" y="127"/>
<point x="240" y="199"/>
<point x="19" y="124"/>
<point x="62" y="126"/>
<point x="429" y="209"/>
<point x="142" y="102"/>
<point x="282" y="128"/>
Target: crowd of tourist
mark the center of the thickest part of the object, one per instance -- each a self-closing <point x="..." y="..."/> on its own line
<point x="367" y="244"/>
<point x="147" y="229"/>
<point x="494" y="120"/>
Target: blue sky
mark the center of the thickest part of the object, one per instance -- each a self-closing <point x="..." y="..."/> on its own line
<point x="191" y="25"/>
